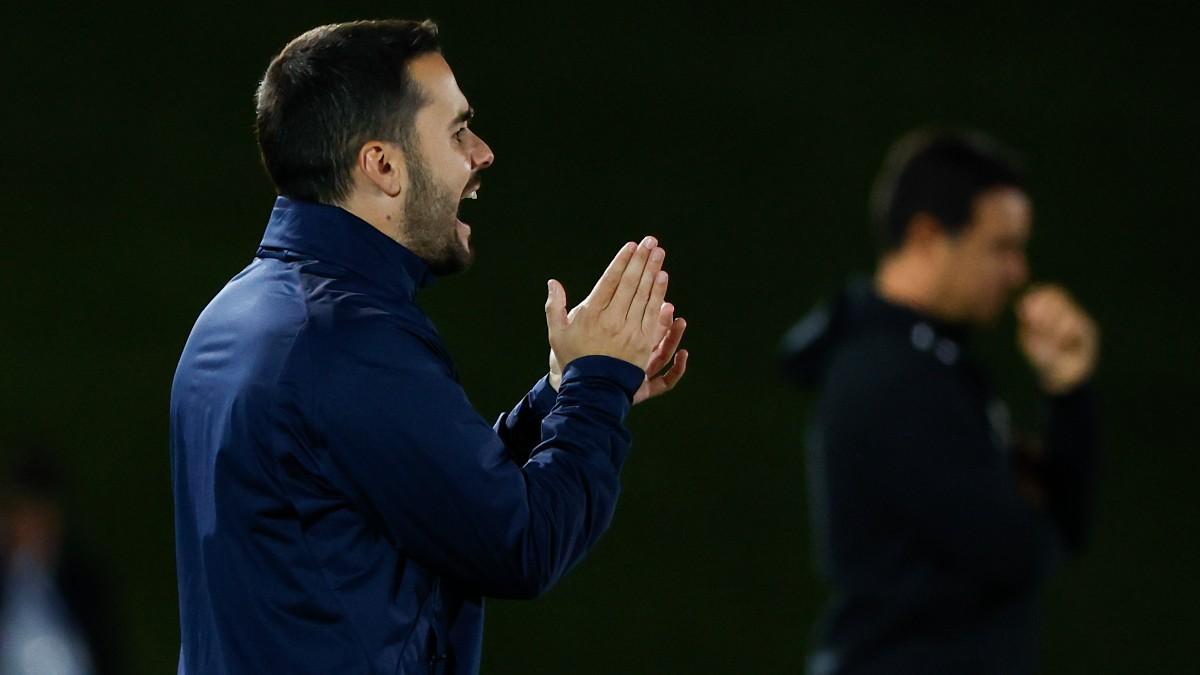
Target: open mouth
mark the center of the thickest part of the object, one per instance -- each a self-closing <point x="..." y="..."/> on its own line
<point x="471" y="192"/>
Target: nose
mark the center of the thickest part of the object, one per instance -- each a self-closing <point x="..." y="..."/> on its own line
<point x="481" y="155"/>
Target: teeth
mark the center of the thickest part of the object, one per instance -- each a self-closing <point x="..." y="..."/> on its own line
<point x="474" y="195"/>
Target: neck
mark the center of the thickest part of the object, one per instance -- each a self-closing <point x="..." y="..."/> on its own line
<point x="374" y="214"/>
<point x="902" y="280"/>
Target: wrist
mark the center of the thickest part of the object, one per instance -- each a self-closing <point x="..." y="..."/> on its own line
<point x="1059" y="386"/>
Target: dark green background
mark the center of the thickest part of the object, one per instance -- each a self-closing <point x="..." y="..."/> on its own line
<point x="745" y="136"/>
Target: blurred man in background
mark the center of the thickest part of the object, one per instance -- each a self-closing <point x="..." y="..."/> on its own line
<point x="56" y="613"/>
<point x="936" y="522"/>
<point x="340" y="506"/>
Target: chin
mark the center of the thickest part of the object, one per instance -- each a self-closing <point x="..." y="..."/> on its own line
<point x="453" y="260"/>
<point x="988" y="316"/>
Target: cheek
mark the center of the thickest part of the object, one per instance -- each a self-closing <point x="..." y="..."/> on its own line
<point x="986" y="275"/>
<point x="1020" y="269"/>
<point x="452" y="163"/>
<point x="459" y="159"/>
<point x="999" y="266"/>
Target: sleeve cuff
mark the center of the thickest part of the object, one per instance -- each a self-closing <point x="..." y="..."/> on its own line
<point x="1083" y="392"/>
<point x="542" y="397"/>
<point x="626" y="375"/>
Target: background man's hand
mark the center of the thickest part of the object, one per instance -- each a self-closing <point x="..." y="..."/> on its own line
<point x="625" y="316"/>
<point x="1058" y="337"/>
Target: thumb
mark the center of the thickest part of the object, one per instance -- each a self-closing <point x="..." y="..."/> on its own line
<point x="556" y="306"/>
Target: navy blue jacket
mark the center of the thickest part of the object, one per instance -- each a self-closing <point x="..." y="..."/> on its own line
<point x="339" y="505"/>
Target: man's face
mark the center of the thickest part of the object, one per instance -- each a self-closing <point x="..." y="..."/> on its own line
<point x="443" y="169"/>
<point x="985" y="264"/>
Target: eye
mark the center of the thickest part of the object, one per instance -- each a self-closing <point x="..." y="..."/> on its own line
<point x="458" y="135"/>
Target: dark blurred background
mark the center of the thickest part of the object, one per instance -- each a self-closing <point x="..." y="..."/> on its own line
<point x="745" y="136"/>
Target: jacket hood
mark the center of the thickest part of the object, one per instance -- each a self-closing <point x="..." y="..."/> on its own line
<point x="810" y="343"/>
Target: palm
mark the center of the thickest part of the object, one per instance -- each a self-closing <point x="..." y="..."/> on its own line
<point x="657" y="382"/>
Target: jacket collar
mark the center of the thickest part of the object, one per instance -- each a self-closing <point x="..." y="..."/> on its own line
<point x="882" y="310"/>
<point x="334" y="235"/>
<point x="945" y="340"/>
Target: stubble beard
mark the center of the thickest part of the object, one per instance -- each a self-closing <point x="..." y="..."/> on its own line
<point x="431" y="222"/>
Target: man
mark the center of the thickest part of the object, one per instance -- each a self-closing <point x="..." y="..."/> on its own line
<point x="56" y="602"/>
<point x="340" y="507"/>
<point x="936" y="523"/>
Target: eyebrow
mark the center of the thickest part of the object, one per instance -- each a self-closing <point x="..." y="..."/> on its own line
<point x="464" y="116"/>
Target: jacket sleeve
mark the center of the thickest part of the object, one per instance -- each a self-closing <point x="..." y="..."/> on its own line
<point x="521" y="429"/>
<point x="905" y="441"/>
<point x="1070" y="463"/>
<point x="397" y="426"/>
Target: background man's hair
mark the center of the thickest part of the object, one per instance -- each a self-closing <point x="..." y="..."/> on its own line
<point x="329" y="91"/>
<point x="29" y="470"/>
<point x="940" y="173"/>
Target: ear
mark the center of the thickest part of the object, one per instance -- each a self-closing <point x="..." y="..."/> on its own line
<point x="924" y="231"/>
<point x="381" y="164"/>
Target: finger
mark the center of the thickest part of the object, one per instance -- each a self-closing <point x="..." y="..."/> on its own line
<point x="1070" y="339"/>
<point x="1037" y="348"/>
<point x="675" y="374"/>
<point x="649" y="280"/>
<point x="666" y="317"/>
<point x="662" y="354"/>
<point x="1028" y="342"/>
<point x="666" y="382"/>
<point x="1047" y="313"/>
<point x="556" y="306"/>
<point x="659" y="358"/>
<point x="658" y="293"/>
<point x="675" y="334"/>
<point x="1056" y="301"/>
<point x="1025" y="311"/>
<point x="1056" y="314"/>
<point x="1025" y="306"/>
<point x="603" y="290"/>
<point x="1073" y="332"/>
<point x="1033" y="307"/>
<point x="1044" y="300"/>
<point x="1056" y="293"/>
<point x="1060" y="324"/>
<point x="631" y="277"/>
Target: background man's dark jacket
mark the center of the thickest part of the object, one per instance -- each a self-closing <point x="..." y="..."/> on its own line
<point x="934" y="554"/>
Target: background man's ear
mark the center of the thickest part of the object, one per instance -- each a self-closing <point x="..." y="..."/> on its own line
<point x="924" y="229"/>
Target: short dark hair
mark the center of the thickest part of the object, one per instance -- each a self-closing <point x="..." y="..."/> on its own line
<point x="938" y="172"/>
<point x="329" y="91"/>
<point x="31" y="470"/>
